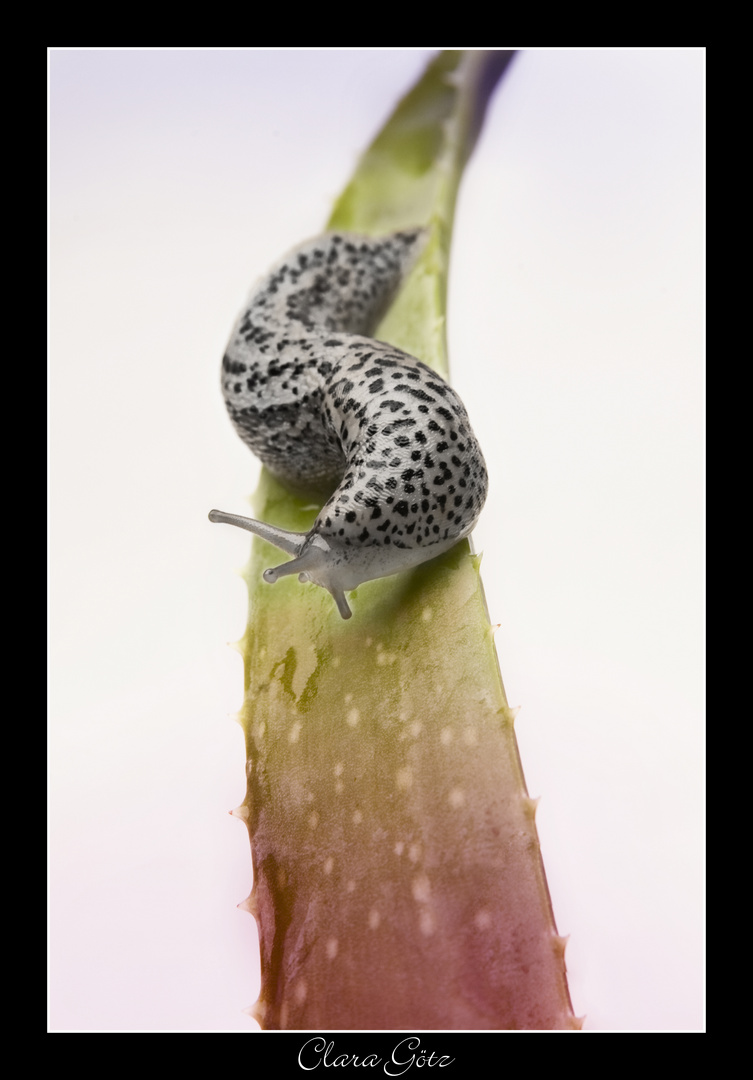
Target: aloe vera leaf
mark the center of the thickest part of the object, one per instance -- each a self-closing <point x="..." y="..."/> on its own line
<point x="398" y="880"/>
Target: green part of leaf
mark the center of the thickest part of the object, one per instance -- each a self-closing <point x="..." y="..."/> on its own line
<point x="398" y="882"/>
<point x="410" y="176"/>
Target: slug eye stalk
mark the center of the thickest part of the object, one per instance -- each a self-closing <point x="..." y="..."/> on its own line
<point x="310" y="551"/>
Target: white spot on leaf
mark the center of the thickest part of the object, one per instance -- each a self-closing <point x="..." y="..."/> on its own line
<point x="404" y="778"/>
<point x="427" y="923"/>
<point x="421" y="889"/>
<point x="383" y="657"/>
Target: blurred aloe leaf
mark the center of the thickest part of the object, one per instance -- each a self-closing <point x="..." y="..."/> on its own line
<point x="398" y="882"/>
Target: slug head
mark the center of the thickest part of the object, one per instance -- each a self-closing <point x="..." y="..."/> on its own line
<point x="317" y="559"/>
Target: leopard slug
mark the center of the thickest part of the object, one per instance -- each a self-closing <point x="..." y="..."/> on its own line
<point x="331" y="411"/>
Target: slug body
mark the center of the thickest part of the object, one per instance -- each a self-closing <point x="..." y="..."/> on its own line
<point x="331" y="411"/>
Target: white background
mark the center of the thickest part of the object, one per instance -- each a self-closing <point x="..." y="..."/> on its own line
<point x="575" y="324"/>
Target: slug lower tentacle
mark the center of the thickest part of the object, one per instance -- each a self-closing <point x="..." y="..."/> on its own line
<point x="328" y="409"/>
